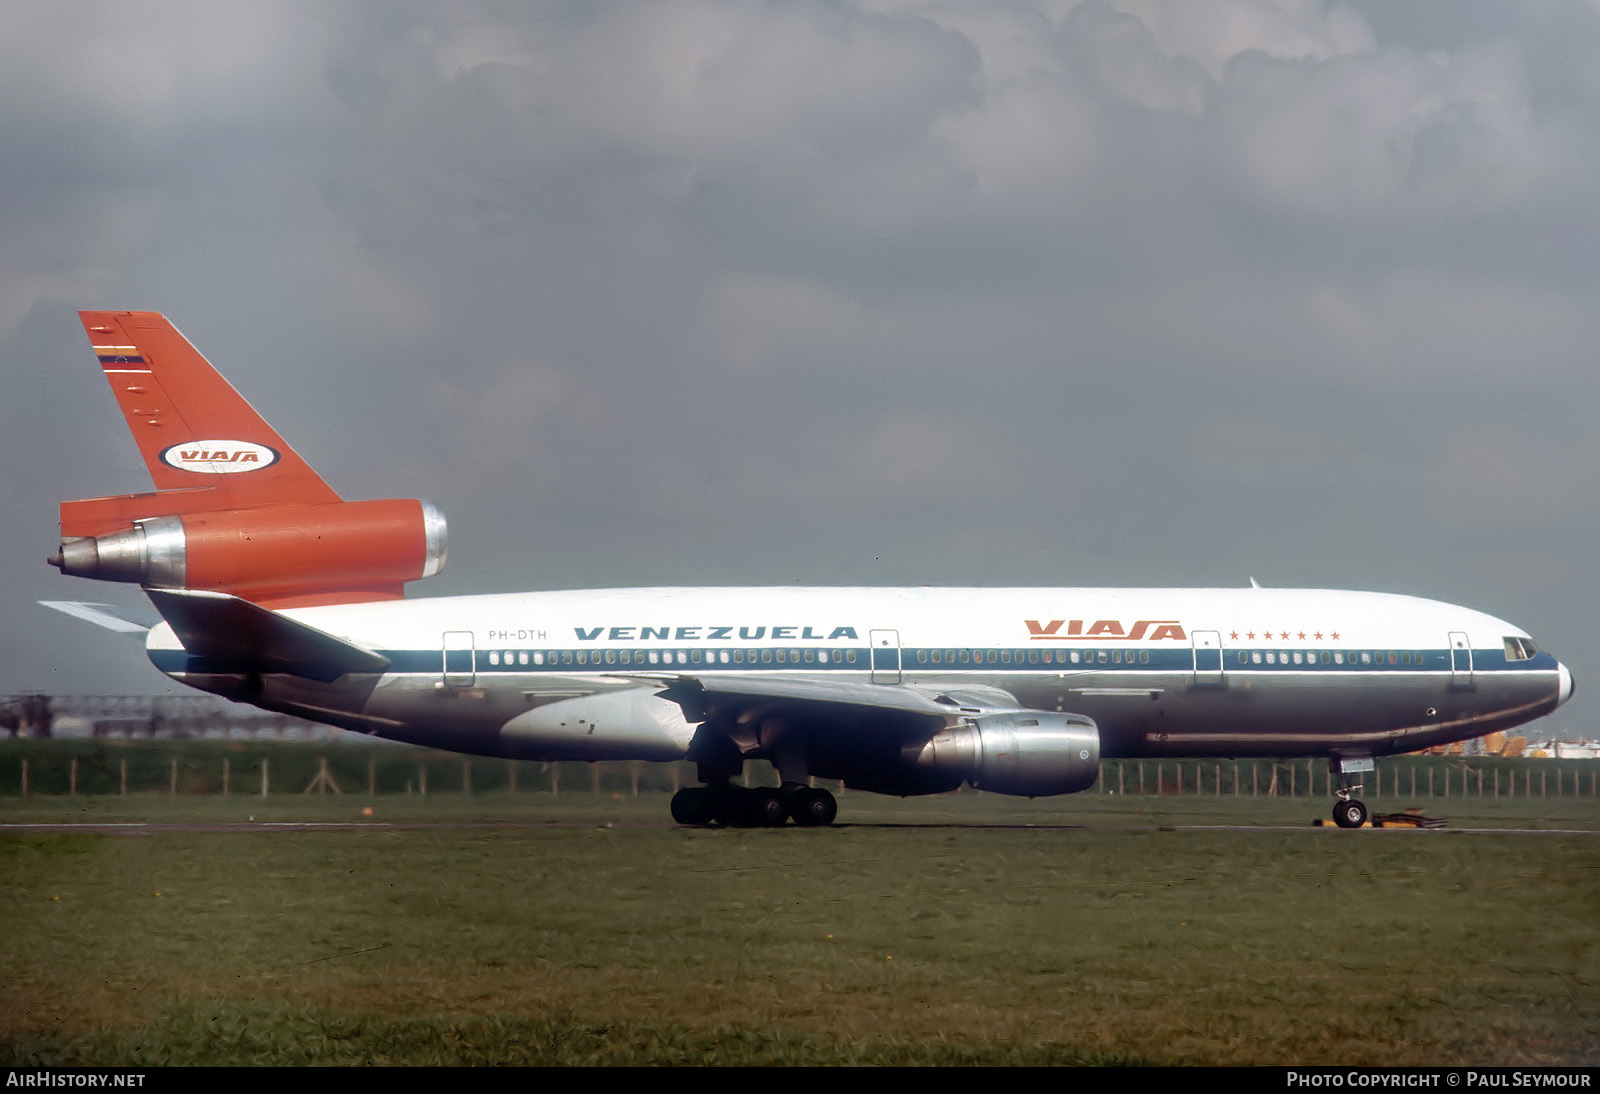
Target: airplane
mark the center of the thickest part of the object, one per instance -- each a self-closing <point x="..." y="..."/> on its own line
<point x="276" y="591"/>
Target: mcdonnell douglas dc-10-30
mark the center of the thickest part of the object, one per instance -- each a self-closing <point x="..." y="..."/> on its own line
<point x="276" y="591"/>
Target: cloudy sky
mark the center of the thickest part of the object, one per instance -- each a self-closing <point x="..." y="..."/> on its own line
<point x="1138" y="292"/>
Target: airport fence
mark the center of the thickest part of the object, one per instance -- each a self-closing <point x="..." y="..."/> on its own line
<point x="267" y="769"/>
<point x="89" y="767"/>
<point x="1411" y="777"/>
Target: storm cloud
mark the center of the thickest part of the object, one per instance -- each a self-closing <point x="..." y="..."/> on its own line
<point x="893" y="292"/>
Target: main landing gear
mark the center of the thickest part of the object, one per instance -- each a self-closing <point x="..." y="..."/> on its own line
<point x="1349" y="812"/>
<point x="754" y="807"/>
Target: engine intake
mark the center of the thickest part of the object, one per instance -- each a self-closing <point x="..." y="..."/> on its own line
<point x="281" y="553"/>
<point x="1028" y="753"/>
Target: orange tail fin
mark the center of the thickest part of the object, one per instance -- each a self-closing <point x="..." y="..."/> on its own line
<point x="193" y="429"/>
<point x="235" y="508"/>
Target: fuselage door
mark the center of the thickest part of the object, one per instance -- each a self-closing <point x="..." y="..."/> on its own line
<point x="885" y="656"/>
<point x="458" y="659"/>
<point x="1208" y="658"/>
<point x="1460" y="660"/>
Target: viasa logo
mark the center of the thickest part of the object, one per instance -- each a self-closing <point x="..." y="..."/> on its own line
<point x="1106" y="630"/>
<point x="218" y="457"/>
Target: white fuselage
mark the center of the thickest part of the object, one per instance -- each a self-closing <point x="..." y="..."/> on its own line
<point x="581" y="674"/>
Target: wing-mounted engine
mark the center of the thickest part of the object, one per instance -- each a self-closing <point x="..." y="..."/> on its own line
<point x="1029" y="753"/>
<point x="281" y="555"/>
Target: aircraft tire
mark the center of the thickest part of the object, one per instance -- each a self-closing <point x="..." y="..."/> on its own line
<point x="1350" y="814"/>
<point x="813" y="807"/>
<point x="730" y="807"/>
<point x="767" y="809"/>
<point x="692" y="805"/>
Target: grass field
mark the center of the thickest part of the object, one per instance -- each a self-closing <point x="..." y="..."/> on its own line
<point x="969" y="929"/>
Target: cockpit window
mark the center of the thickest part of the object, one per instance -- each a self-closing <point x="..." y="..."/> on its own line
<point x="1519" y="649"/>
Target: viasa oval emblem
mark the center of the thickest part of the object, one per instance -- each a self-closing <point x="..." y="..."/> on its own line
<point x="218" y="457"/>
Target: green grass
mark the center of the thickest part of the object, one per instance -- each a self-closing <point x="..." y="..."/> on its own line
<point x="927" y="931"/>
<point x="577" y="804"/>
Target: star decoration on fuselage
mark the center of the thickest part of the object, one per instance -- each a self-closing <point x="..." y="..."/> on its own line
<point x="1299" y="636"/>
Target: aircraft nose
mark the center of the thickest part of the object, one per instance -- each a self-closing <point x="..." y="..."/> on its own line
<point x="1564" y="684"/>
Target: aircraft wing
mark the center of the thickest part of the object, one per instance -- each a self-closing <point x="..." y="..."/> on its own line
<point x="739" y="697"/>
<point x="856" y="732"/>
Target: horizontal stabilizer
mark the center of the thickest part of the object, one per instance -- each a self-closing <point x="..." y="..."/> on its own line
<point x="234" y="635"/>
<point x="101" y="615"/>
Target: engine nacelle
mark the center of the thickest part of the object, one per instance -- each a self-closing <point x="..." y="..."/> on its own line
<point x="1028" y="753"/>
<point x="367" y="549"/>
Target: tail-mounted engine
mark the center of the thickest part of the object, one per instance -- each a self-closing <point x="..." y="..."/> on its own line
<point x="1027" y="753"/>
<point x="283" y="555"/>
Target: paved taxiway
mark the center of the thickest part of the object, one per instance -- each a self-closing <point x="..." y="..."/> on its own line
<point x="142" y="828"/>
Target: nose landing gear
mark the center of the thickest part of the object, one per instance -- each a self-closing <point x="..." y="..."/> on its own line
<point x="1348" y="812"/>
